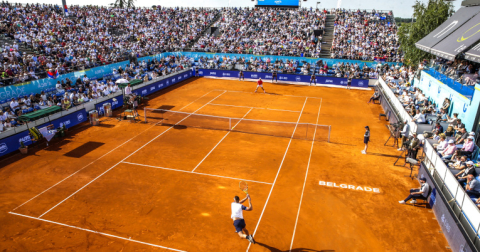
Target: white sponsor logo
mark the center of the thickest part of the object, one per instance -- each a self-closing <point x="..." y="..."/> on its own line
<point x="161" y="85"/>
<point x="254" y="76"/>
<point x="445" y="223"/>
<point x="213" y="73"/>
<point x="115" y="103"/>
<point x="343" y="82"/>
<point x="351" y="187"/>
<point x="179" y="77"/>
<point x="185" y="75"/>
<point x="24" y="139"/>
<point x="80" y="117"/>
<point x="144" y="91"/>
<point x="173" y="80"/>
<point x="298" y="78"/>
<point x="268" y="77"/>
<point x="68" y="122"/>
<point x="278" y="1"/>
<point x="283" y="78"/>
<point x="152" y="88"/>
<point x="226" y="74"/>
<point x="328" y="81"/>
<point x="360" y="83"/>
<point x="168" y="82"/>
<point x="200" y="72"/>
<point x="3" y="147"/>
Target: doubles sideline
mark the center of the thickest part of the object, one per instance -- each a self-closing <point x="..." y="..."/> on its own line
<point x="46" y="190"/>
<point x="96" y="232"/>
<point x="127" y="157"/>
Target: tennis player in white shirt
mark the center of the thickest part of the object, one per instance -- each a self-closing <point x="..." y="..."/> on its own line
<point x="237" y="216"/>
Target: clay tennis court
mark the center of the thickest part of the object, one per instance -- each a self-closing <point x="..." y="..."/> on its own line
<point x="168" y="186"/>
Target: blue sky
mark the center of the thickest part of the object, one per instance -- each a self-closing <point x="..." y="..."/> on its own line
<point x="401" y="8"/>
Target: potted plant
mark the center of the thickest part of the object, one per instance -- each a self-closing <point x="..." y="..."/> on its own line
<point x="23" y="149"/>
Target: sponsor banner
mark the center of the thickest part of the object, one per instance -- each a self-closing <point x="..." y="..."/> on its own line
<point x="39" y="85"/>
<point x="272" y="58"/>
<point x="349" y="187"/>
<point x="453" y="234"/>
<point x="282" y="77"/>
<point x="154" y="87"/>
<point x="12" y="143"/>
<point x="115" y="104"/>
<point x="438" y="91"/>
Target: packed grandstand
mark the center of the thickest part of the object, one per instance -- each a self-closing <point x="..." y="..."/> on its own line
<point x="147" y="44"/>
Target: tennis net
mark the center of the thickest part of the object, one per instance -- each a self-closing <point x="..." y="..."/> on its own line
<point x="179" y="120"/>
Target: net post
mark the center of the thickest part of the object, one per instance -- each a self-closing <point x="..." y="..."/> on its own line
<point x="145" y="114"/>
<point x="329" y="129"/>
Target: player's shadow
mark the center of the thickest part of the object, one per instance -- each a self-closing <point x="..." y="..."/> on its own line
<point x="293" y="250"/>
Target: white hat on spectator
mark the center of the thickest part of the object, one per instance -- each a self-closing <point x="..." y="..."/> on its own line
<point x="469" y="162"/>
<point x="472" y="133"/>
<point x="471" y="137"/>
<point x="451" y="141"/>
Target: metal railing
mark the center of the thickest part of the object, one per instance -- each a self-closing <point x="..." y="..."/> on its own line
<point x="458" y="200"/>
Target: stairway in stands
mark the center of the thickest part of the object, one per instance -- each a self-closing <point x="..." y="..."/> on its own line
<point x="204" y="31"/>
<point x="327" y="38"/>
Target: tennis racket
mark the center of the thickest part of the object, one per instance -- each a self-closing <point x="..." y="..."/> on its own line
<point x="243" y="186"/>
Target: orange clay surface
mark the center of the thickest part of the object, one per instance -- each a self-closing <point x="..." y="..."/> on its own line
<point x="135" y="189"/>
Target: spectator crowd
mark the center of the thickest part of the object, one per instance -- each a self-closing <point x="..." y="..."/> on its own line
<point x="362" y="35"/>
<point x="265" y="31"/>
<point x="90" y="36"/>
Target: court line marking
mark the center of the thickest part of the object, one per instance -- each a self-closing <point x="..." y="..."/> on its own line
<point x="311" y="97"/>
<point x="305" y="181"/>
<point x="100" y="157"/>
<point x="96" y="232"/>
<point x="128" y="156"/>
<point x="253" y="107"/>
<point x="278" y="172"/>
<point x="198" y="173"/>
<point x="220" y="141"/>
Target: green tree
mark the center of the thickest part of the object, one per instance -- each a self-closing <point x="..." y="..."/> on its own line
<point x="124" y="3"/>
<point x="427" y="18"/>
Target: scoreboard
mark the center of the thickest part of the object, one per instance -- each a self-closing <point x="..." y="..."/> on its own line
<point x="278" y="3"/>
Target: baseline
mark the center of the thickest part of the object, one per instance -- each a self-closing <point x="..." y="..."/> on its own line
<point x="96" y="232"/>
<point x="253" y="107"/>
<point x="100" y="157"/>
<point x="278" y="172"/>
<point x="311" y="97"/>
<point x="198" y="173"/>
<point x="127" y="157"/>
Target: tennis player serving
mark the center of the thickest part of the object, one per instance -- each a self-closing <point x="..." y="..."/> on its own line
<point x="237" y="216"/>
<point x="260" y="84"/>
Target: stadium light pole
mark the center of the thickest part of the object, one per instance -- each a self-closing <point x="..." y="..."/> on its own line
<point x="318" y="3"/>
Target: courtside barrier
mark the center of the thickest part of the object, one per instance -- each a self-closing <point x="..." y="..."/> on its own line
<point x="78" y="114"/>
<point x="458" y="203"/>
<point x="292" y="78"/>
<point x="68" y="119"/>
<point x="447" y="219"/>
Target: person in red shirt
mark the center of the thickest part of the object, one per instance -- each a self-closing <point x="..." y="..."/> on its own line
<point x="260" y="84"/>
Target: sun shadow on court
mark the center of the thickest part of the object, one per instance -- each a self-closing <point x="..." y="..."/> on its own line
<point x="166" y="107"/>
<point x="342" y="144"/>
<point x="272" y="249"/>
<point x="382" y="155"/>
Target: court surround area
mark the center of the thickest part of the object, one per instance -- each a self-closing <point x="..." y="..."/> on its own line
<point x="166" y="184"/>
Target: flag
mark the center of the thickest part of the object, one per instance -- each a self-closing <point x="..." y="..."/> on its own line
<point x="53" y="74"/>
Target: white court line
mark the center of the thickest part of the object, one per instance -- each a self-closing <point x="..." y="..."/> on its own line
<point x="253" y="107"/>
<point x="198" y="173"/>
<point x="278" y="172"/>
<point x="220" y="141"/>
<point x="311" y="97"/>
<point x="305" y="181"/>
<point x="128" y="156"/>
<point x="99" y="158"/>
<point x="96" y="232"/>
